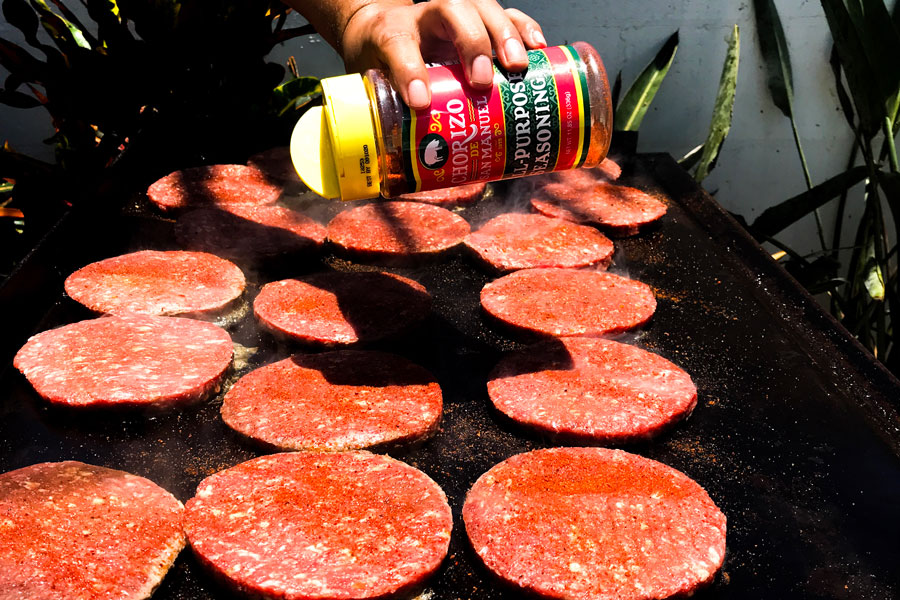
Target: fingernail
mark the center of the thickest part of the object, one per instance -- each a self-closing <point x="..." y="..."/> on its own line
<point x="538" y="39"/>
<point x="417" y="93"/>
<point x="482" y="70"/>
<point x="515" y="51"/>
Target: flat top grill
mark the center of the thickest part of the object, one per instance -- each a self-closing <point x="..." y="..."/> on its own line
<point x="796" y="435"/>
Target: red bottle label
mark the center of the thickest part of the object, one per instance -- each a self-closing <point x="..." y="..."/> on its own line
<point x="530" y="122"/>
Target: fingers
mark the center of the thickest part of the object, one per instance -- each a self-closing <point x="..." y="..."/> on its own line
<point x="401" y="55"/>
<point x="462" y="25"/>
<point x="528" y="28"/>
<point x="387" y="37"/>
<point x="504" y="35"/>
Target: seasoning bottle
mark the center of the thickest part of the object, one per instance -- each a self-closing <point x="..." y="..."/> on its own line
<point x="364" y="141"/>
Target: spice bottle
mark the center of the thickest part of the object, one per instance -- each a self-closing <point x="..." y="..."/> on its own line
<point x="364" y="141"/>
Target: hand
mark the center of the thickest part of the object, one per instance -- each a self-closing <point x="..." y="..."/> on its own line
<point x="394" y="35"/>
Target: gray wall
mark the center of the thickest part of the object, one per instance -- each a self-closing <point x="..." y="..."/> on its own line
<point x="758" y="165"/>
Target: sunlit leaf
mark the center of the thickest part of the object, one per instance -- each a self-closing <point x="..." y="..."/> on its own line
<point x="874" y="282"/>
<point x="690" y="159"/>
<point x="723" y="108"/>
<point x="630" y="112"/>
<point x="61" y="30"/>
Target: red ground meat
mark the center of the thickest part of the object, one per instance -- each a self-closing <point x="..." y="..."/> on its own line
<point x="158" y="283"/>
<point x="217" y="185"/>
<point x="594" y="524"/>
<point x="320" y="525"/>
<point x="564" y="302"/>
<point x="453" y="196"/>
<point x="396" y="231"/>
<point x="342" y="400"/>
<point x="250" y="233"/>
<point x="592" y="390"/>
<point x="619" y="209"/>
<point x="519" y="241"/>
<point x="127" y="361"/>
<point x="70" y="530"/>
<point x="342" y="308"/>
<point x="609" y="169"/>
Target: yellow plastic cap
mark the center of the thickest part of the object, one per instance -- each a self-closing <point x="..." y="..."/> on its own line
<point x="333" y="146"/>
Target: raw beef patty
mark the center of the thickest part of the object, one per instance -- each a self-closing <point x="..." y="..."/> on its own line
<point x="565" y="302"/>
<point x="343" y="400"/>
<point x="158" y="283"/>
<point x="72" y="530"/>
<point x="591" y="389"/>
<point x="594" y="524"/>
<point x="127" y="361"/>
<point x="320" y="525"/>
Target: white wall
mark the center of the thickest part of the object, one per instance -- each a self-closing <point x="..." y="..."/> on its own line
<point x="758" y="165"/>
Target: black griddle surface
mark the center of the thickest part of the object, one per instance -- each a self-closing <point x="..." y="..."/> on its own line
<point x="795" y="436"/>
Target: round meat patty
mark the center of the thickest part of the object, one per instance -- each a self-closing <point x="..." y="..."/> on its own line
<point x="250" y="233"/>
<point x="592" y="390"/>
<point x="344" y="400"/>
<point x="594" y="524"/>
<point x="342" y="308"/>
<point x="127" y="361"/>
<point x="619" y="209"/>
<point x="519" y="241"/>
<point x="71" y="530"/>
<point x="396" y="231"/>
<point x="452" y="196"/>
<point x="158" y="283"/>
<point x="217" y="185"/>
<point x="320" y="526"/>
<point x="565" y="302"/>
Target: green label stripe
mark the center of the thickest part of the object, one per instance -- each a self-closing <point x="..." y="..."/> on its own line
<point x="530" y="112"/>
<point x="585" y="101"/>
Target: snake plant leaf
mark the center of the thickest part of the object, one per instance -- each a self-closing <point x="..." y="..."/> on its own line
<point x="890" y="185"/>
<point x="874" y="281"/>
<point x="18" y="99"/>
<point x="775" y="218"/>
<point x="63" y="32"/>
<point x="774" y="48"/>
<point x="637" y="99"/>
<point x="723" y="108"/>
<point x="861" y="78"/>
<point x="21" y="63"/>
<point x="843" y="97"/>
<point x="881" y="44"/>
<point x="20" y="15"/>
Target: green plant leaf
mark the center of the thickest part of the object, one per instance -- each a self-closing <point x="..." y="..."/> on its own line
<point x="19" y="62"/>
<point x="874" y="281"/>
<point x="787" y="212"/>
<point x="881" y="43"/>
<point x="773" y="46"/>
<point x="20" y="15"/>
<point x="775" y="53"/>
<point x="861" y="78"/>
<point x="18" y="99"/>
<point x="630" y="112"/>
<point x="62" y="31"/>
<point x="723" y="108"/>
